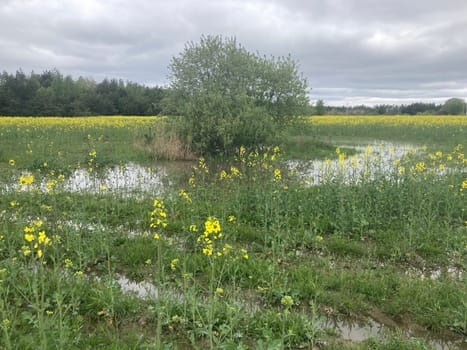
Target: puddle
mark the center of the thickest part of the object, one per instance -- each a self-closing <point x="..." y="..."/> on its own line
<point x="143" y="290"/>
<point x="147" y="290"/>
<point x="360" y="331"/>
<point x="125" y="179"/>
<point x="452" y="272"/>
<point x="372" y="161"/>
<point x="118" y="179"/>
<point x="353" y="331"/>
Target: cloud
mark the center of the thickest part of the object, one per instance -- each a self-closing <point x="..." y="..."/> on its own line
<point x="351" y="51"/>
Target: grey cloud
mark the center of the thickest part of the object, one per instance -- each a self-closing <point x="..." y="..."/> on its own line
<point x="351" y="51"/>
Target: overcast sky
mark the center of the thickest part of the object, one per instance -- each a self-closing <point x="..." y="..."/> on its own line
<point x="351" y="51"/>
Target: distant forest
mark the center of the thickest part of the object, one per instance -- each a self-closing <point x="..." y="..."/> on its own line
<point x="416" y="108"/>
<point x="52" y="94"/>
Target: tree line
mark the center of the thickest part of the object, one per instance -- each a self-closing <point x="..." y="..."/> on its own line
<point x="452" y="106"/>
<point x="52" y="94"/>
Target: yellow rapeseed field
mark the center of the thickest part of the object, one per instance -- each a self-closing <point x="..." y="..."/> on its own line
<point x="93" y="121"/>
<point x="425" y="120"/>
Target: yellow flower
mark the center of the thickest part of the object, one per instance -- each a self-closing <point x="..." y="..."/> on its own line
<point x="11" y="162"/>
<point x="43" y="239"/>
<point x="173" y="264"/>
<point x="13" y="203"/>
<point x="219" y="291"/>
<point x="156" y="236"/>
<point x="234" y="171"/>
<point x="26" y="250"/>
<point x="207" y="251"/>
<point x="244" y="254"/>
<point x="28" y="229"/>
<point x="193" y="228"/>
<point x="277" y="175"/>
<point x="29" y="237"/>
<point x="39" y="253"/>
<point x="231" y="218"/>
<point x="26" y="180"/>
<point x="420" y="167"/>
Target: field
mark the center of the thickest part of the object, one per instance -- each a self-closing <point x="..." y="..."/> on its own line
<point x="350" y="234"/>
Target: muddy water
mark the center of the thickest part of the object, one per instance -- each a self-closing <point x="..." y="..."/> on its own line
<point x="354" y="331"/>
<point x="358" y="331"/>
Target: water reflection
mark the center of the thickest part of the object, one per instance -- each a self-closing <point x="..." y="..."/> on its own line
<point x="127" y="178"/>
<point x="372" y="161"/>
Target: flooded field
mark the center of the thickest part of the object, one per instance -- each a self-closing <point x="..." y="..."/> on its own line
<point x="103" y="246"/>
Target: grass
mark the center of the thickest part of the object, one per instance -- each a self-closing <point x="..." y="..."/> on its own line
<point x="241" y="254"/>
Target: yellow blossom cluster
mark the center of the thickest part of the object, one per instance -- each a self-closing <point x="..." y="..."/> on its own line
<point x="210" y="240"/>
<point x="158" y="218"/>
<point x="36" y="239"/>
<point x="436" y="162"/>
<point x="234" y="173"/>
<point x="26" y="180"/>
<point x="80" y="122"/>
<point x="212" y="232"/>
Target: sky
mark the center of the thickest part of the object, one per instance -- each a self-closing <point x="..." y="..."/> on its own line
<point x="351" y="51"/>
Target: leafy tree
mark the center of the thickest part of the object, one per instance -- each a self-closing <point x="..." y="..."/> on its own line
<point x="319" y="109"/>
<point x="229" y="97"/>
<point x="454" y="106"/>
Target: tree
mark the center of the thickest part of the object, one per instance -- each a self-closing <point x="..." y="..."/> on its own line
<point x="229" y="97"/>
<point x="319" y="109"/>
<point x="454" y="106"/>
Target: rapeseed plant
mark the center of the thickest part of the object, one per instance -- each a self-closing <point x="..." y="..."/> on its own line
<point x="158" y="218"/>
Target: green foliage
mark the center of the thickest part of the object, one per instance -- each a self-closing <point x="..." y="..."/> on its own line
<point x="52" y="94"/>
<point x="229" y="97"/>
<point x="319" y="109"/>
<point x="454" y="106"/>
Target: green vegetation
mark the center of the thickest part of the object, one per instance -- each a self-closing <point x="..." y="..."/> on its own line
<point x="455" y="106"/>
<point x="238" y="254"/>
<point x="228" y="97"/>
<point x="51" y="94"/>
